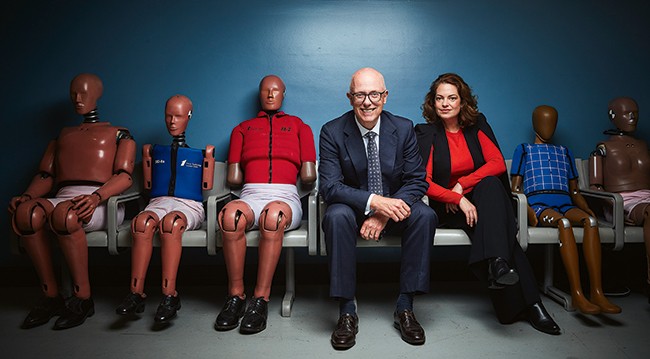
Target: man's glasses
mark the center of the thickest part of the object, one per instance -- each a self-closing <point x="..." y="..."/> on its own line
<point x="374" y="96"/>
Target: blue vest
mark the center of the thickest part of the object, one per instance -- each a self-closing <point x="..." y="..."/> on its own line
<point x="177" y="173"/>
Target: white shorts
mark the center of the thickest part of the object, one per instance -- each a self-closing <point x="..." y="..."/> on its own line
<point x="98" y="220"/>
<point x="258" y="195"/>
<point x="193" y="210"/>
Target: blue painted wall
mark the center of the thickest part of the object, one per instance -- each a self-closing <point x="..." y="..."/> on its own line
<point x="573" y="55"/>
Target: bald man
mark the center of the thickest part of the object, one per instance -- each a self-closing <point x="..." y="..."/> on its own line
<point x="373" y="181"/>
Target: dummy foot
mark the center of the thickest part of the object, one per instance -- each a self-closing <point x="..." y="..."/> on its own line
<point x="605" y="305"/>
<point x="583" y="305"/>
<point x="133" y="303"/>
<point x="254" y="320"/>
<point x="167" y="308"/>
<point x="75" y="313"/>
<point x="43" y="311"/>
<point x="229" y="316"/>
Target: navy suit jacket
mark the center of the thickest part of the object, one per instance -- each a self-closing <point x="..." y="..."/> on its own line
<point x="343" y="165"/>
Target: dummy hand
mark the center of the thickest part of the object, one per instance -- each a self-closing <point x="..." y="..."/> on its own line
<point x="373" y="226"/>
<point x="15" y="201"/>
<point x="471" y="216"/>
<point x="85" y="205"/>
<point x="395" y="209"/>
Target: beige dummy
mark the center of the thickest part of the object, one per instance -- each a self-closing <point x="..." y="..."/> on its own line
<point x="544" y="123"/>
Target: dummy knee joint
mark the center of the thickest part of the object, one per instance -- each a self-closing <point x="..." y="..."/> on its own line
<point x="564" y="223"/>
<point x="591" y="222"/>
<point x="274" y="219"/>
<point x="30" y="217"/>
<point x="173" y="223"/>
<point x="144" y="222"/>
<point x="236" y="216"/>
<point x="64" y="219"/>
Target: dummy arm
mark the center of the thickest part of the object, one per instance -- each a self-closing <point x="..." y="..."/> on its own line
<point x="235" y="176"/>
<point x="147" y="166"/>
<point x="577" y="198"/>
<point x="308" y="172"/>
<point x="208" y="168"/>
<point x="42" y="183"/>
<point x="516" y="188"/>
<point x="596" y="169"/>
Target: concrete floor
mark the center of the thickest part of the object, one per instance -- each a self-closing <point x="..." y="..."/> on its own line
<point x="457" y="317"/>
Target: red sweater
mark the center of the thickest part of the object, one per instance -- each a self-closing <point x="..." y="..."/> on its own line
<point x="272" y="150"/>
<point x="462" y="167"/>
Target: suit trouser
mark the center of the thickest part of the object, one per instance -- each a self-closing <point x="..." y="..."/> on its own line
<point x="341" y="225"/>
<point x="495" y="235"/>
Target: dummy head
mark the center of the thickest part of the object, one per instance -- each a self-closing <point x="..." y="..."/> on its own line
<point x="271" y="93"/>
<point x="178" y="112"/>
<point x="544" y="123"/>
<point x="85" y="90"/>
<point x="367" y="96"/>
<point x="624" y="113"/>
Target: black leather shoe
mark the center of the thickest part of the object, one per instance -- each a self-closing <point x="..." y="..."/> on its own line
<point x="500" y="274"/>
<point x="254" y="320"/>
<point x="75" y="313"/>
<point x="541" y="320"/>
<point x="43" y="311"/>
<point x="412" y="332"/>
<point x="132" y="303"/>
<point x="167" y="308"/>
<point x="230" y="314"/>
<point x="345" y="334"/>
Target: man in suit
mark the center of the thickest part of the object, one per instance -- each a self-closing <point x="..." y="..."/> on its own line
<point x="367" y="196"/>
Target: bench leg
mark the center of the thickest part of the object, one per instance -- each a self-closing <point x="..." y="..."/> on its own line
<point x="290" y="290"/>
<point x="551" y="291"/>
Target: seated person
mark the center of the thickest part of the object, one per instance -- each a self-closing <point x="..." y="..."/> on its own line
<point x="547" y="175"/>
<point x="621" y="164"/>
<point x="84" y="166"/>
<point x="469" y="190"/>
<point x="267" y="153"/>
<point x="175" y="176"/>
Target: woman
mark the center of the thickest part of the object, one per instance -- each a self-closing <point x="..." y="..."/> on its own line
<point x="467" y="179"/>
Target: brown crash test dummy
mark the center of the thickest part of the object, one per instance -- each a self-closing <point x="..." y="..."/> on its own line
<point x="84" y="166"/>
<point x="555" y="201"/>
<point x="622" y="164"/>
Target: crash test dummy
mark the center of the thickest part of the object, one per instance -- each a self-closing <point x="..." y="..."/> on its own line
<point x="621" y="164"/>
<point x="175" y="176"/>
<point x="547" y="175"/>
<point x="267" y="154"/>
<point x="84" y="166"/>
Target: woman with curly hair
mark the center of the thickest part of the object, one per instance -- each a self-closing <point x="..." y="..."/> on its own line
<point x="467" y="178"/>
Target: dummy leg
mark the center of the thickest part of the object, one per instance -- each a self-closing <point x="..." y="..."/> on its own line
<point x="235" y="218"/>
<point x="172" y="227"/>
<point x="275" y="217"/>
<point x="143" y="228"/>
<point x="569" y="254"/>
<point x="592" y="252"/>
<point x="171" y="230"/>
<point x="29" y="223"/>
<point x="72" y="240"/>
<point x="570" y="259"/>
<point x="641" y="216"/>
